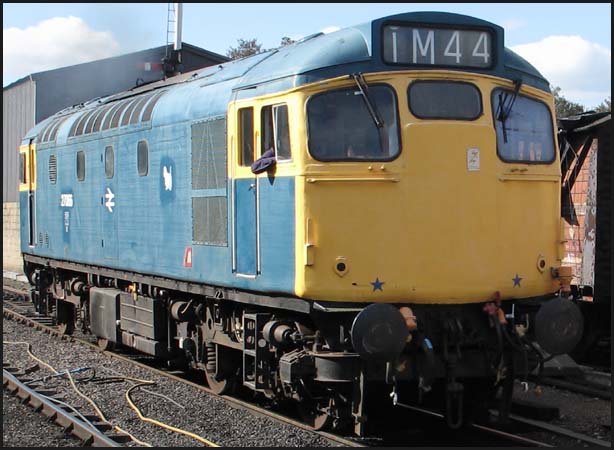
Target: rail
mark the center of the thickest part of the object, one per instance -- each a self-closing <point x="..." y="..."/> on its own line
<point x="90" y="434"/>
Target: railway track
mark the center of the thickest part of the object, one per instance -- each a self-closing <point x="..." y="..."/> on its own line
<point x="18" y="301"/>
<point x="90" y="429"/>
<point x="18" y="308"/>
<point x="561" y="431"/>
<point x="593" y="383"/>
<point x="506" y="437"/>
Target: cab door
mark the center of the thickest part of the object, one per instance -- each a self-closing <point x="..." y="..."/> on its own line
<point x="245" y="190"/>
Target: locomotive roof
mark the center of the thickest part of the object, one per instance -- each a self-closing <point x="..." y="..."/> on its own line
<point x="313" y="58"/>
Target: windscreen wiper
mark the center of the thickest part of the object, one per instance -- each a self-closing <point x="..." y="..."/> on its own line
<point x="364" y="90"/>
<point x="503" y="110"/>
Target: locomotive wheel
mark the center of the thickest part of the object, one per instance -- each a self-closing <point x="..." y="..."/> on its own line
<point x="314" y="417"/>
<point x="30" y="275"/>
<point x="66" y="328"/>
<point x="220" y="373"/>
<point x="66" y="318"/>
<point x="224" y="386"/>
<point x="316" y="407"/>
<point x="105" y="344"/>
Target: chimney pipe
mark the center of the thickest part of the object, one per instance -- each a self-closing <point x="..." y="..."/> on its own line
<point x="178" y="25"/>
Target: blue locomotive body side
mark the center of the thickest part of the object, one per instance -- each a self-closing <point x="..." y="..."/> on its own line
<point x="144" y="224"/>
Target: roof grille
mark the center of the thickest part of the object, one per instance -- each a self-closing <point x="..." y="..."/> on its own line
<point x="50" y="132"/>
<point x="117" y="114"/>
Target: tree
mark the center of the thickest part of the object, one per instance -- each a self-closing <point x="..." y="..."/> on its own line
<point x="245" y="48"/>
<point x="286" y="41"/>
<point x="605" y="106"/>
<point x="249" y="47"/>
<point x="563" y="107"/>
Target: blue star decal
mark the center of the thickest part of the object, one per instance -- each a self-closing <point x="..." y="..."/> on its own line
<point x="377" y="285"/>
<point x="516" y="281"/>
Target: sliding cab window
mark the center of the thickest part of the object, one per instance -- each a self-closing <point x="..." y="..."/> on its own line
<point x="246" y="137"/>
<point x="275" y="131"/>
<point x="524" y="128"/>
<point x="342" y="127"/>
<point x="444" y="100"/>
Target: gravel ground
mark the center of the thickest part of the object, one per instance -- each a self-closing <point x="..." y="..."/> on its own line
<point x="189" y="409"/>
<point x="22" y="427"/>
<point x="15" y="284"/>
<point x="579" y="413"/>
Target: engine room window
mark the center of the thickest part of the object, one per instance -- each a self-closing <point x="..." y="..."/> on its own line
<point x="276" y="131"/>
<point x="444" y="100"/>
<point x="142" y="158"/>
<point x="342" y="127"/>
<point x="246" y="139"/>
<point x="524" y="128"/>
<point x="80" y="165"/>
<point x="109" y="162"/>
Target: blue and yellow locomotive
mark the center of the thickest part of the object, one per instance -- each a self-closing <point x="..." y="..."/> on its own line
<point x="381" y="203"/>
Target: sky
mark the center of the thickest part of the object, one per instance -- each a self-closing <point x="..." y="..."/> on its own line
<point x="569" y="43"/>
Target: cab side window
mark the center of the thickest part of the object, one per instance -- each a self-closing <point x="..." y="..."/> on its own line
<point x="22" y="168"/>
<point x="276" y="131"/>
<point x="246" y="136"/>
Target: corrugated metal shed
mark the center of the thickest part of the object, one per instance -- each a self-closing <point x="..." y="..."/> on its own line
<point x="18" y="112"/>
<point x="32" y="99"/>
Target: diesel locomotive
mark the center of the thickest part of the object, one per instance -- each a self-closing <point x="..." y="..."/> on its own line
<point x="379" y="205"/>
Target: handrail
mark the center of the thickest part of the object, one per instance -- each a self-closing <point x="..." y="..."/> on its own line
<point x="352" y="179"/>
